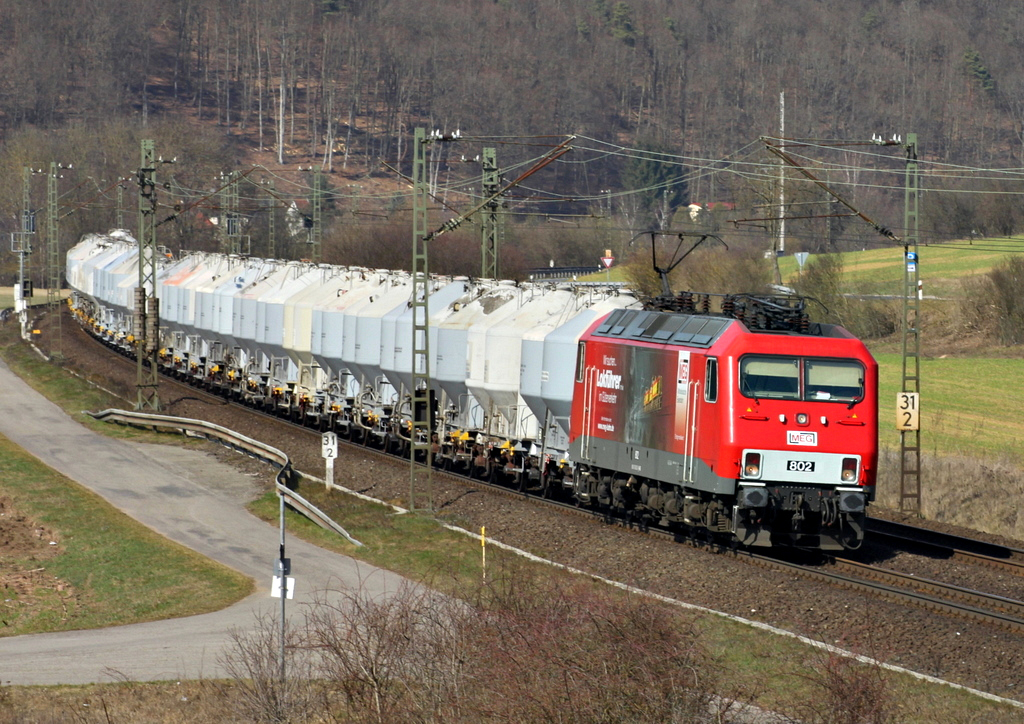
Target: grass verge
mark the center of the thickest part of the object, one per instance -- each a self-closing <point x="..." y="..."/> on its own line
<point x="942" y="267"/>
<point x="967" y="406"/>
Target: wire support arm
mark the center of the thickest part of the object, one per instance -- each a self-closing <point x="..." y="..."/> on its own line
<point x="786" y="158"/>
<point x="552" y="156"/>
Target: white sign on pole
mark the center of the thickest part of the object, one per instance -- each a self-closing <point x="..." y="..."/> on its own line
<point x="801" y="258"/>
<point x="275" y="587"/>
<point x="607" y="261"/>
<point x="329" y="445"/>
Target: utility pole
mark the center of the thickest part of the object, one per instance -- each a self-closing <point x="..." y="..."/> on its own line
<point x="234" y="230"/>
<point x="53" y="265"/>
<point x="782" y="175"/>
<point x="491" y="229"/>
<point x="230" y="234"/>
<point x="780" y="241"/>
<point x="271" y="205"/>
<point x="908" y="401"/>
<point x="147" y="309"/>
<point x="22" y="246"/>
<point x="316" y="231"/>
<point x="120" y="206"/>
<point x="420" y="434"/>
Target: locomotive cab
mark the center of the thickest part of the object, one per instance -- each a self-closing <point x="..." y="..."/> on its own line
<point x="806" y="469"/>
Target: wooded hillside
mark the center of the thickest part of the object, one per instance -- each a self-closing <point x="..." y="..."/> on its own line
<point x="703" y="75"/>
<point x="342" y="83"/>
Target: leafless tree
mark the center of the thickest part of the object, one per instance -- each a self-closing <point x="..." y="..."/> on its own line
<point x="253" y="663"/>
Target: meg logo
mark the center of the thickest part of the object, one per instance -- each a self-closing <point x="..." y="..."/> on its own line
<point x="798" y="437"/>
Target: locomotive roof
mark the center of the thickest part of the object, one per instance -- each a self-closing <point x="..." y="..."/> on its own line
<point x="665" y="327"/>
<point x="692" y="330"/>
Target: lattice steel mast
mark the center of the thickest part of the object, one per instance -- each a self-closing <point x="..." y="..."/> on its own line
<point x="420" y="434"/>
<point x="53" y="265"/>
<point x="491" y="229"/>
<point x="421" y="431"/>
<point x="910" y="440"/>
<point x="316" y="232"/>
<point x="147" y="311"/>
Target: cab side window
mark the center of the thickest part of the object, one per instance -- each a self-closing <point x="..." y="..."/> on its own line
<point x="711" y="380"/>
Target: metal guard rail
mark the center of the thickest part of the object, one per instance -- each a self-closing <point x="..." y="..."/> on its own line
<point x="236" y="441"/>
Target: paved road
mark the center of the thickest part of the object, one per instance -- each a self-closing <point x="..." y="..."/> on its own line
<point x="188" y="497"/>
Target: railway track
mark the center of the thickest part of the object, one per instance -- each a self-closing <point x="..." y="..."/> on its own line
<point x="951" y="547"/>
<point x="947" y="599"/>
<point x="997" y="610"/>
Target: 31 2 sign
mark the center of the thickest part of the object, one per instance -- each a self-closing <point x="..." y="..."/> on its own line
<point x="908" y="411"/>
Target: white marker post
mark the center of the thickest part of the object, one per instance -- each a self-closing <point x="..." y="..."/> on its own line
<point x="329" y="448"/>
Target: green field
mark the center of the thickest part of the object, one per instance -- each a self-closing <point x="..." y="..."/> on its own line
<point x="969" y="406"/>
<point x="109" y="569"/>
<point x="942" y="266"/>
<point x="880" y="270"/>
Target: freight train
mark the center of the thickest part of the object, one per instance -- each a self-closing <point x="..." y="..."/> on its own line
<point x="750" y="424"/>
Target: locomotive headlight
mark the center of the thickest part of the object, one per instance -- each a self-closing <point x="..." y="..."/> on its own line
<point x="849" y="474"/>
<point x="801" y="418"/>
<point x="752" y="465"/>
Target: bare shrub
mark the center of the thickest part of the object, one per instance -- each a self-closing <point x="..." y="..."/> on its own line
<point x="524" y="649"/>
<point x="822" y="281"/>
<point x="846" y="691"/>
<point x="872" y="319"/>
<point x="716" y="270"/>
<point x="576" y="650"/>
<point x="640" y="274"/>
<point x="1007" y="279"/>
<point x="976" y="310"/>
<point x="375" y="650"/>
<point x="253" y="662"/>
<point x="866" y="318"/>
<point x="707" y="270"/>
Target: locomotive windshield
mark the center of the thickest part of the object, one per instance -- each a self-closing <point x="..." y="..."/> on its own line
<point x="801" y="378"/>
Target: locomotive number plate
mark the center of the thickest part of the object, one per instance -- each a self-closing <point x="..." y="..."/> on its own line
<point x="800" y="466"/>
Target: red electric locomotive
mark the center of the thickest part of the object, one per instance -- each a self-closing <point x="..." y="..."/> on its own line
<point x="767" y="436"/>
